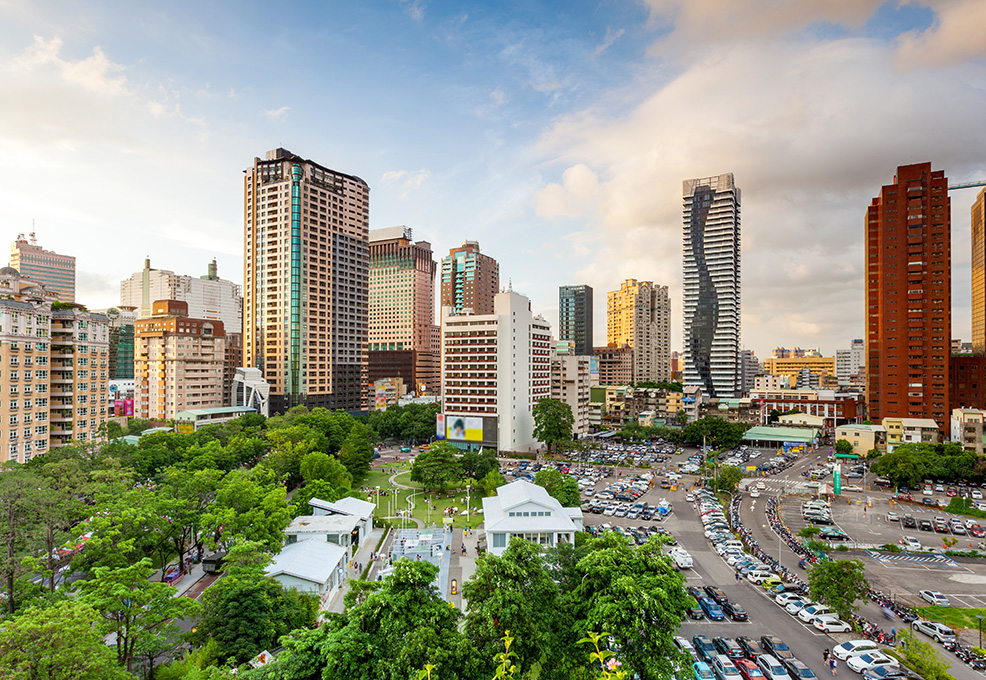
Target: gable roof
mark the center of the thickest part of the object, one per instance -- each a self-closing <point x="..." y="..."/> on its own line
<point x="496" y="510"/>
<point x="322" y="524"/>
<point x="311" y="560"/>
<point x="345" y="506"/>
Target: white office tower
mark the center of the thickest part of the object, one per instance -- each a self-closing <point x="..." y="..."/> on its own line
<point x="712" y="285"/>
<point x="495" y="367"/>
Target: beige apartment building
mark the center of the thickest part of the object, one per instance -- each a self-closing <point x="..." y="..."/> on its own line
<point x="178" y="362"/>
<point x="570" y="383"/>
<point x="305" y="281"/>
<point x="789" y="367"/>
<point x="53" y="370"/>
<point x="639" y="315"/>
<point x="79" y="383"/>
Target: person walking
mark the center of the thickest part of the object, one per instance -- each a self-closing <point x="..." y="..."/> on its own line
<point x="832" y="666"/>
<point x="825" y="655"/>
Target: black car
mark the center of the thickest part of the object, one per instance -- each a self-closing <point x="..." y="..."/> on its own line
<point x="734" y="611"/>
<point x="798" y="669"/>
<point x="775" y="646"/>
<point x="783" y="588"/>
<point x="695" y="592"/>
<point x="819" y="519"/>
<point x="751" y="647"/>
<point x="728" y="646"/>
<point x="908" y="521"/>
<point x="716" y="594"/>
<point x="925" y="525"/>
<point x="703" y="647"/>
<point x="696" y="613"/>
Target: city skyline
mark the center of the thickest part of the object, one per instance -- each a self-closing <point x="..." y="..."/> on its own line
<point x="557" y="141"/>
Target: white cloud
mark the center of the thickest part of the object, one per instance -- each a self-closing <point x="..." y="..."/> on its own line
<point x="407" y="181"/>
<point x="608" y="40"/>
<point x="499" y="97"/>
<point x="956" y="35"/>
<point x="95" y="73"/>
<point x="413" y="8"/>
<point x="277" y="114"/>
<point x="811" y="129"/>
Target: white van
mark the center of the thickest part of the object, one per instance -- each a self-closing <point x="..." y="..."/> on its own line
<point x="681" y="558"/>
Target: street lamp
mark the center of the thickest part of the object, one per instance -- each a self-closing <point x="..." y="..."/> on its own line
<point x="980" y="630"/>
<point x="467" y="506"/>
<point x="378" y="500"/>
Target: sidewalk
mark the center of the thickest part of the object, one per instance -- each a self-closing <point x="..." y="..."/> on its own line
<point x="195" y="574"/>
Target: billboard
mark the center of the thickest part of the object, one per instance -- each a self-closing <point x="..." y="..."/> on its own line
<point x="380" y="399"/>
<point x="440" y="426"/>
<point x="464" y="429"/>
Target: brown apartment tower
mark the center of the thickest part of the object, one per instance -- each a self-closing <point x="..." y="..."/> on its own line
<point x="979" y="274"/>
<point x="908" y="297"/>
<point x="470" y="280"/>
<point x="305" y="278"/>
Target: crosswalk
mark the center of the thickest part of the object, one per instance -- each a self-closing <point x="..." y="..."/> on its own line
<point x="785" y="485"/>
<point x="890" y="558"/>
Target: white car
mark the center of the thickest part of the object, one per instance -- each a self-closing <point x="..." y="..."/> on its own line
<point x="910" y="543"/>
<point x="977" y="494"/>
<point x="934" y="597"/>
<point x="796" y="605"/>
<point x="761" y="486"/>
<point x="852" y="487"/>
<point x="854" y="647"/>
<point x="689" y="497"/>
<point x="784" y="598"/>
<point x="806" y="614"/>
<point x="830" y="623"/>
<point x="771" y="668"/>
<point x="893" y="517"/>
<point x="758" y="577"/>
<point x="864" y="662"/>
<point x="754" y="494"/>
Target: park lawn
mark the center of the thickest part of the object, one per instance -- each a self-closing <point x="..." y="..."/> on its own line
<point x="953" y="617"/>
<point x="397" y="498"/>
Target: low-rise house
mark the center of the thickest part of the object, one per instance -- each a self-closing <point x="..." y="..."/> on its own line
<point x="527" y="511"/>
<point x="348" y="507"/>
<point x="311" y="566"/>
<point x="341" y="530"/>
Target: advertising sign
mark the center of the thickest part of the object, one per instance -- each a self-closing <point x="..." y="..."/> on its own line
<point x="380" y="399"/>
<point x="464" y="429"/>
<point x="128" y="407"/>
<point x="440" y="426"/>
<point x="118" y="407"/>
<point x="837" y="480"/>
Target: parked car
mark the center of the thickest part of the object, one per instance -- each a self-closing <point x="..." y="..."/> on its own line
<point x="727" y="646"/>
<point x="751" y="647"/>
<point x="724" y="669"/>
<point x="774" y="646"/>
<point x="934" y="597"/>
<point x="772" y="668"/>
<point x="712" y="611"/>
<point x="847" y="649"/>
<point x="702" y="671"/>
<point x="864" y="662"/>
<point x="735" y="612"/>
<point x="831" y="624"/>
<point x="798" y="669"/>
<point x="704" y="648"/>
<point x="939" y="631"/>
<point x="811" y="611"/>
<point x="716" y="593"/>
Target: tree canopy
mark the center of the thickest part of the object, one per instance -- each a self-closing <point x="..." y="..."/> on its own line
<point x="553" y="421"/>
<point x="561" y="487"/>
<point x="910" y="464"/>
<point x="840" y="584"/>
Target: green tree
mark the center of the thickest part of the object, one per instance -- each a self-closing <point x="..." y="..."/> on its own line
<point x="922" y="657"/>
<point x="19" y="497"/>
<point x="561" y="487"/>
<point x="809" y="532"/>
<point x="477" y="464"/>
<point x="873" y="454"/>
<point x="56" y="643"/>
<point x="843" y="446"/>
<point x="514" y="592"/>
<point x="635" y="594"/>
<point x="839" y="583"/>
<point x="138" y="611"/>
<point x="289" y="445"/>
<point x="248" y="506"/>
<point x="357" y="451"/>
<point x="315" y="489"/>
<point x="185" y="496"/>
<point x="728" y="478"/>
<point x="491" y="482"/>
<point x="716" y="432"/>
<point x="553" y="422"/>
<point x="681" y="417"/>
<point x="402" y="625"/>
<point x="438" y="467"/>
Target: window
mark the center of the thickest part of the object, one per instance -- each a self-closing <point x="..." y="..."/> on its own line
<point x="499" y="540"/>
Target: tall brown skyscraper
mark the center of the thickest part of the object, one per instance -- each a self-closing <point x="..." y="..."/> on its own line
<point x="402" y="310"/>
<point x="979" y="274"/>
<point x="306" y="259"/>
<point x="470" y="280"/>
<point x="908" y="297"/>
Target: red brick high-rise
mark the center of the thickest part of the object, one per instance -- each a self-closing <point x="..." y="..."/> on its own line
<point x="470" y="280"/>
<point x="908" y="297"/>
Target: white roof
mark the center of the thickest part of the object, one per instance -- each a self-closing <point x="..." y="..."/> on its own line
<point x="311" y="560"/>
<point x="322" y="524"/>
<point x="496" y="510"/>
<point x="345" y="506"/>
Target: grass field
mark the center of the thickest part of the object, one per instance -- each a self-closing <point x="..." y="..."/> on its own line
<point x="428" y="513"/>
<point x="953" y="617"/>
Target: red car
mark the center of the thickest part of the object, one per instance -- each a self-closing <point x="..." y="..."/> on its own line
<point x="951" y="492"/>
<point x="748" y="669"/>
<point x="977" y="531"/>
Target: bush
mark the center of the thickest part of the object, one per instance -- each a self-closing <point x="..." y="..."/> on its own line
<point x="891" y="548"/>
<point x="843" y="548"/>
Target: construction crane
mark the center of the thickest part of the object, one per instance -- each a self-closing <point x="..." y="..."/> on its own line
<point x="967" y="185"/>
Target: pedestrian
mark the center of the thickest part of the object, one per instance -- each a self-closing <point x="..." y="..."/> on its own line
<point x="737" y="576"/>
<point x="825" y="655"/>
<point x="832" y="664"/>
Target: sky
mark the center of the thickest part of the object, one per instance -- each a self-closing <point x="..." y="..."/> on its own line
<point x="555" y="134"/>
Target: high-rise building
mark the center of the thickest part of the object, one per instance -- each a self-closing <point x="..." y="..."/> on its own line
<point x="470" y="280"/>
<point x="979" y="274"/>
<point x="749" y="370"/>
<point x="178" y="362"/>
<point x="56" y="272"/>
<point x="711" y="308"/>
<point x="54" y="380"/>
<point x="575" y="317"/>
<point x="908" y="297"/>
<point x="495" y="368"/>
<point x="208" y="297"/>
<point x="570" y="383"/>
<point x="639" y="315"/>
<point x="305" y="281"/>
<point x="402" y="310"/>
<point x="850" y="362"/>
<point x="614" y="365"/>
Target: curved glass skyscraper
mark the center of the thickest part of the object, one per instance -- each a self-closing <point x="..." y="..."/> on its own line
<point x="711" y="304"/>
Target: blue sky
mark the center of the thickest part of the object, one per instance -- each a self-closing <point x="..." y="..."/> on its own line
<point x="557" y="134"/>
